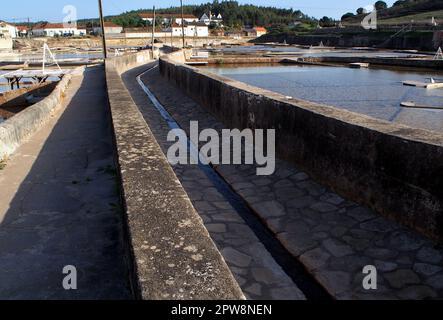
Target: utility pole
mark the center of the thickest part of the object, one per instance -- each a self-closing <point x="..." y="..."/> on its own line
<point x="102" y="23"/>
<point x="183" y="24"/>
<point x="153" y="33"/>
<point x="172" y="31"/>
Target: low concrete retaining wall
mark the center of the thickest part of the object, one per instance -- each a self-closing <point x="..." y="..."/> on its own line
<point x="409" y="63"/>
<point x="409" y="40"/>
<point x="394" y="169"/>
<point x="170" y="252"/>
<point x="14" y="131"/>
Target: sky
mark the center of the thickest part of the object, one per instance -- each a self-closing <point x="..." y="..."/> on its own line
<point x="52" y="10"/>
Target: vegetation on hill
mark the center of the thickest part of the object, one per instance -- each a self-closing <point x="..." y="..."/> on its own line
<point x="402" y="11"/>
<point x="235" y="15"/>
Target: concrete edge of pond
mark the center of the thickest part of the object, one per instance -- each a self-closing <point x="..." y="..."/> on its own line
<point x="170" y="254"/>
<point x="394" y="169"/>
<point x="14" y="131"/>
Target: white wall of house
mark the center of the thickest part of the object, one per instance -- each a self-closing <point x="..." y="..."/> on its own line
<point x="12" y="30"/>
<point x="81" y="32"/>
<point x="191" y="31"/>
<point x="52" y="32"/>
<point x="23" y="33"/>
<point x="6" y="42"/>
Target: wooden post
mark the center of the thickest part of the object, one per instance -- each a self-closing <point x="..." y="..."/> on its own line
<point x="102" y="23"/>
<point x="153" y="33"/>
<point x="183" y="24"/>
<point x="171" y="22"/>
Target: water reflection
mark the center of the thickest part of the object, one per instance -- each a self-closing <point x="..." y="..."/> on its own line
<point x="374" y="92"/>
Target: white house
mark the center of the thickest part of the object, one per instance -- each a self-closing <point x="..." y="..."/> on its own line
<point x="56" y="29"/>
<point x="195" y="29"/>
<point x="166" y="18"/>
<point x="11" y="29"/>
<point x="5" y="37"/>
<point x="210" y="18"/>
<point x="22" y="31"/>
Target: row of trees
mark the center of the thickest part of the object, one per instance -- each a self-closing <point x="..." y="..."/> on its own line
<point x="234" y="14"/>
<point x="399" y="8"/>
<point x="379" y="5"/>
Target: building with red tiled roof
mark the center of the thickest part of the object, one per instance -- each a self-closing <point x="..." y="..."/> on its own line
<point x="57" y="29"/>
<point x="255" y="32"/>
<point x="22" y="31"/>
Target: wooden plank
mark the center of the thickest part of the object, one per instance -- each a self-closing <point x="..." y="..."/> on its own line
<point x="411" y="104"/>
<point x="13" y="66"/>
<point x="196" y="63"/>
<point x="358" y="65"/>
<point x="423" y="84"/>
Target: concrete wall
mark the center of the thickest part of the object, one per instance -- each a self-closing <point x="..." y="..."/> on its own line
<point x="170" y="253"/>
<point x="396" y="170"/>
<point x="6" y="43"/>
<point x="14" y="131"/>
<point x="400" y="62"/>
<point x="408" y="40"/>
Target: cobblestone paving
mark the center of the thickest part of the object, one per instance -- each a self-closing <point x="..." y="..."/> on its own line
<point x="256" y="271"/>
<point x="334" y="238"/>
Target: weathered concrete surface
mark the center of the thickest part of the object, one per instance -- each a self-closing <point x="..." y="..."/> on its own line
<point x="394" y="169"/>
<point x="333" y="237"/>
<point x="14" y="131"/>
<point x="258" y="274"/>
<point x="59" y="204"/>
<point x="174" y="257"/>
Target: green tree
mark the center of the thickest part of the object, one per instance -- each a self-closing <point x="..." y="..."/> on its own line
<point x="327" y="22"/>
<point x="234" y="14"/>
<point x="361" y="10"/>
<point x="347" y="16"/>
<point x="380" y="5"/>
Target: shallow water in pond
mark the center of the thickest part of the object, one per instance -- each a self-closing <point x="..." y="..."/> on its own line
<point x="4" y="87"/>
<point x="374" y="92"/>
<point x="315" y="51"/>
<point x="3" y="83"/>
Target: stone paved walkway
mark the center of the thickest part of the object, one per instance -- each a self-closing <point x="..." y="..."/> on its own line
<point x="59" y="204"/>
<point x="257" y="273"/>
<point x="334" y="238"/>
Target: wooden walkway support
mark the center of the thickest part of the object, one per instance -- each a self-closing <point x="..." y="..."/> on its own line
<point x="412" y="104"/>
<point x="39" y="76"/>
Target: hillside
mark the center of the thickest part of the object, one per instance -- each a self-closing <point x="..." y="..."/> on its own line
<point x="234" y="14"/>
<point x="419" y="18"/>
<point x="403" y="12"/>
